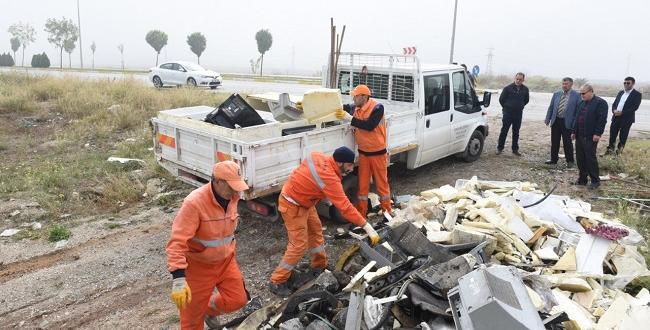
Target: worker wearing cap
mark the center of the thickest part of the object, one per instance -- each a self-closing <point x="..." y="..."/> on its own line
<point x="318" y="177"/>
<point x="367" y="116"/>
<point x="201" y="250"/>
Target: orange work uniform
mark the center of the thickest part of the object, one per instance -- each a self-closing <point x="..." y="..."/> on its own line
<point x="370" y="135"/>
<point x="202" y="246"/>
<point x="317" y="177"/>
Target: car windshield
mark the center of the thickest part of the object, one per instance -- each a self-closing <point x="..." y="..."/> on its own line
<point x="192" y="67"/>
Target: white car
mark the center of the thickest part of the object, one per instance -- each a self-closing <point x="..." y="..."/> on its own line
<point x="183" y="73"/>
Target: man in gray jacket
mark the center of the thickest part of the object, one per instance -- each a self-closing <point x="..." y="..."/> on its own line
<point x="559" y="116"/>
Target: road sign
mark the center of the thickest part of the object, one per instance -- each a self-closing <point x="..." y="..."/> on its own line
<point x="476" y="70"/>
<point x="410" y="50"/>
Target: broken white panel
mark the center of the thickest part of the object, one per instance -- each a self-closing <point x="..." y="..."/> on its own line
<point x="575" y="312"/>
<point x="551" y="209"/>
<point x="125" y="160"/>
<point x="590" y="254"/>
<point x="359" y="276"/>
<point x="509" y="210"/>
<point x="444" y="193"/>
<point x="547" y="253"/>
<point x="451" y="216"/>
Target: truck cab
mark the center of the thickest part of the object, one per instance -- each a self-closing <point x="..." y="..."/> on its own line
<point x="449" y="118"/>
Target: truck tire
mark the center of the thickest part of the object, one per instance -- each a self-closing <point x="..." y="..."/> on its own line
<point x="474" y="147"/>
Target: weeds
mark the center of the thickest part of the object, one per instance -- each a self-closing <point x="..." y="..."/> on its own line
<point x="58" y="233"/>
<point x="86" y="134"/>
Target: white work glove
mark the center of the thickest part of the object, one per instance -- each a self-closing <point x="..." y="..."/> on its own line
<point x="342" y="115"/>
<point x="181" y="293"/>
<point x="372" y="234"/>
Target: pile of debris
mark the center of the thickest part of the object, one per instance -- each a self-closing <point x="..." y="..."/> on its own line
<point x="480" y="255"/>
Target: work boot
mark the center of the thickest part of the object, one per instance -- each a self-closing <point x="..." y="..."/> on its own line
<point x="516" y="153"/>
<point x="280" y="289"/>
<point x="594" y="185"/>
<point x="550" y="162"/>
<point x="212" y="322"/>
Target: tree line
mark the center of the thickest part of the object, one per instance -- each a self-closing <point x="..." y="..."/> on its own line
<point x="64" y="34"/>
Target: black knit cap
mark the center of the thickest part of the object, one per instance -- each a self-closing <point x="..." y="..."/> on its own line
<point x="344" y="155"/>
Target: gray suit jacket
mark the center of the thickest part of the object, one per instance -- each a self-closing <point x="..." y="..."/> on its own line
<point x="569" y="112"/>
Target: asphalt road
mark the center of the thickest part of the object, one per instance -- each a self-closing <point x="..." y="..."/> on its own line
<point x="535" y="110"/>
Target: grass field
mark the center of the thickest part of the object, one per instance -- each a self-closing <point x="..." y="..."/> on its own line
<point x="57" y="134"/>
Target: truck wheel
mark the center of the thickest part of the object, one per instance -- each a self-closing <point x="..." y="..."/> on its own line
<point x="474" y="147"/>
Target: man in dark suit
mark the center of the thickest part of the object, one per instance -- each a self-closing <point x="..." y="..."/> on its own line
<point x="513" y="99"/>
<point x="588" y="127"/>
<point x="559" y="116"/>
<point x="626" y="103"/>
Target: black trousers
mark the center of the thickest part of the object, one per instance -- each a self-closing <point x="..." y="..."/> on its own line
<point x="617" y="127"/>
<point x="510" y="118"/>
<point x="586" y="159"/>
<point x="558" y="130"/>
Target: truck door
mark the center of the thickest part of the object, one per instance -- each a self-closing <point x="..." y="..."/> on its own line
<point x="437" y="116"/>
<point x="465" y="113"/>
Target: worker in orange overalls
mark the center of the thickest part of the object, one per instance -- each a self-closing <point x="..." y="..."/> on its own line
<point x="201" y="251"/>
<point x="318" y="177"/>
<point x="367" y="116"/>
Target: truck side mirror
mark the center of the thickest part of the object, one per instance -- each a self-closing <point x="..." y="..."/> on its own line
<point x="487" y="97"/>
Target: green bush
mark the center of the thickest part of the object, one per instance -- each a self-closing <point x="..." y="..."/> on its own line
<point x="6" y="60"/>
<point x="59" y="233"/>
<point x="40" y="61"/>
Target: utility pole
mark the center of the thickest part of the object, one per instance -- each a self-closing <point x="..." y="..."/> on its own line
<point x="490" y="59"/>
<point x="453" y="34"/>
<point x="81" y="48"/>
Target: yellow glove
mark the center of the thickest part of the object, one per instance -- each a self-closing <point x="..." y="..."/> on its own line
<point x="181" y="293"/>
<point x="299" y="105"/>
<point x="342" y="114"/>
<point x="372" y="234"/>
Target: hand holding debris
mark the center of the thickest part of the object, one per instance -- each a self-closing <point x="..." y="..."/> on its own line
<point x="181" y="293"/>
<point x="372" y="234"/>
<point x="342" y="114"/>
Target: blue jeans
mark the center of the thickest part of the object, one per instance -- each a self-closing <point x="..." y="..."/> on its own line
<point x="510" y="118"/>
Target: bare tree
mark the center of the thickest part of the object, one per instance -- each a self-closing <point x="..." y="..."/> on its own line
<point x="25" y="34"/>
<point x="120" y="47"/>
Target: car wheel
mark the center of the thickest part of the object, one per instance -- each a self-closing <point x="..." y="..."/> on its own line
<point x="213" y="87"/>
<point x="474" y="147"/>
<point x="191" y="82"/>
<point x="157" y="82"/>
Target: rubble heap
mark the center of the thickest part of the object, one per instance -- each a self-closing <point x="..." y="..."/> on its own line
<point x="478" y="255"/>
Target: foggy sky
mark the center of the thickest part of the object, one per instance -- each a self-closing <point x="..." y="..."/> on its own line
<point x="578" y="38"/>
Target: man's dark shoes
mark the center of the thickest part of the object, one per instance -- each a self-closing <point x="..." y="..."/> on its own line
<point x="280" y="289"/>
<point x="499" y="151"/>
<point x="580" y="183"/>
<point x="570" y="165"/>
<point x="594" y="185"/>
<point x="550" y="162"/>
<point x="516" y="153"/>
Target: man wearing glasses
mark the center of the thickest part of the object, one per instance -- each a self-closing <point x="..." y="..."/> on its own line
<point x="513" y="99"/>
<point x="588" y="127"/>
<point x="626" y="103"/>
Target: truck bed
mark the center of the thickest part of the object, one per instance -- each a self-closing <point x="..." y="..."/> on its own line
<point x="188" y="147"/>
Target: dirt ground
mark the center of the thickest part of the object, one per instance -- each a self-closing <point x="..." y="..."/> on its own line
<point x="117" y="278"/>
